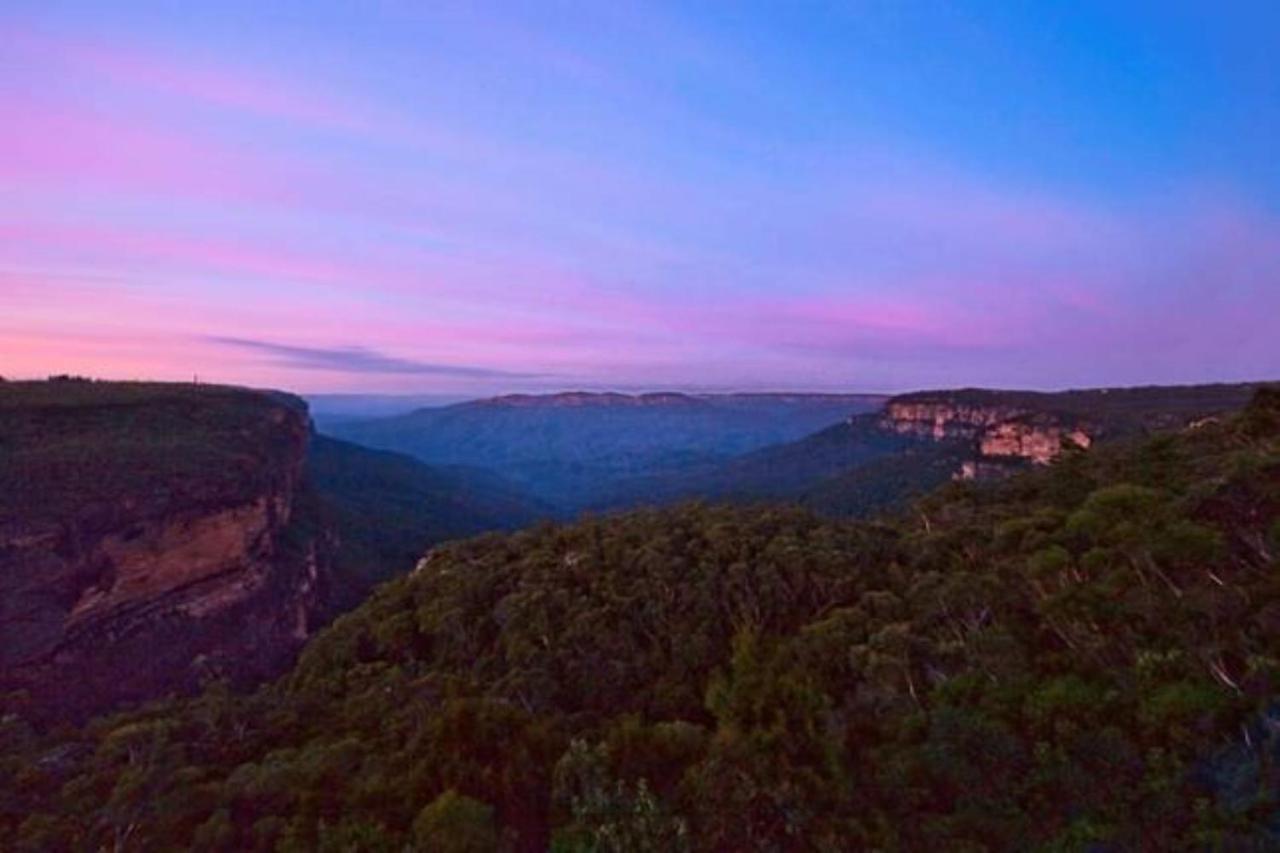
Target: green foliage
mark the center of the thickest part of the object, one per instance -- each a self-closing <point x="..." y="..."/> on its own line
<point x="608" y="814"/>
<point x="1081" y="657"/>
<point x="1262" y="417"/>
<point x="386" y="509"/>
<point x="452" y="823"/>
<point x="68" y="445"/>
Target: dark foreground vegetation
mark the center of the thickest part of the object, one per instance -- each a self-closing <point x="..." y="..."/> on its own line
<point x="1084" y="657"/>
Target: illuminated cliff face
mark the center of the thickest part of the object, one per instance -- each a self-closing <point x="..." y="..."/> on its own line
<point x="1039" y="443"/>
<point x="940" y="420"/>
<point x="156" y="569"/>
<point x="999" y="433"/>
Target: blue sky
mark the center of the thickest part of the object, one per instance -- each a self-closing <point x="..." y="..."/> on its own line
<point x="468" y="198"/>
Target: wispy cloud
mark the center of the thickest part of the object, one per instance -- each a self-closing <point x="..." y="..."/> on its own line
<point x="361" y="360"/>
<point x="143" y="69"/>
<point x="470" y="194"/>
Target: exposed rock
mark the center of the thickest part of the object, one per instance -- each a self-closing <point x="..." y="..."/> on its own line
<point x="940" y="420"/>
<point x="997" y="431"/>
<point x="977" y="469"/>
<point x="1201" y="423"/>
<point x="140" y="565"/>
<point x="1012" y="428"/>
<point x="1036" y="441"/>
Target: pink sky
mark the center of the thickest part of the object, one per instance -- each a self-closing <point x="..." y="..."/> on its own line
<point x="397" y="222"/>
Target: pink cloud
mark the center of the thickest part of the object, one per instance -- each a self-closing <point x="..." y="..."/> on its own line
<point x="188" y="78"/>
<point x="852" y="325"/>
<point x="980" y="213"/>
<point x="45" y="146"/>
<point x="147" y="71"/>
<point x="478" y="265"/>
<point x="131" y="249"/>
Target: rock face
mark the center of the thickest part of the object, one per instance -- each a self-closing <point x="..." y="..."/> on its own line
<point x="1036" y="440"/>
<point x="151" y="536"/>
<point x="998" y="432"/>
<point x="942" y="419"/>
<point x="1008" y="429"/>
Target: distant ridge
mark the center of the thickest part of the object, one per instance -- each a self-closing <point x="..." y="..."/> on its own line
<point x="667" y="398"/>
<point x="1118" y="410"/>
<point x="921" y="439"/>
<point x="567" y="448"/>
<point x="588" y="398"/>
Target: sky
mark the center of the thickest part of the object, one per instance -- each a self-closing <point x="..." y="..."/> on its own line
<point x="473" y="198"/>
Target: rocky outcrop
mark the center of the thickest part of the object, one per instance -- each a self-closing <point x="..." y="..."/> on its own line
<point x="979" y="469"/>
<point x="1035" y="426"/>
<point x="943" y="419"/>
<point x="1035" y="440"/>
<point x="999" y="433"/>
<point x="161" y="542"/>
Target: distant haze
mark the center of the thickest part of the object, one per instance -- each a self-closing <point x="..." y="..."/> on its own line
<point x="573" y="450"/>
<point x="463" y="199"/>
<point x="336" y="408"/>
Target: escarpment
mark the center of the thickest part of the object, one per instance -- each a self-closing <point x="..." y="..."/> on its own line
<point x="1038" y="440"/>
<point x="1007" y="429"/>
<point x="940" y="419"/>
<point x="998" y="433"/>
<point x="151" y="537"/>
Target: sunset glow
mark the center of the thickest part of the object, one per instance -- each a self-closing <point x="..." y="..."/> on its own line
<point x="450" y="198"/>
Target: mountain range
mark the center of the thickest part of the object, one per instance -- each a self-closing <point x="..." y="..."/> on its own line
<point x="837" y="454"/>
<point x="215" y="531"/>
<point x="571" y="449"/>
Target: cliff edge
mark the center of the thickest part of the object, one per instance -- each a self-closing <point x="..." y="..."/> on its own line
<point x="150" y="538"/>
<point x="1008" y="428"/>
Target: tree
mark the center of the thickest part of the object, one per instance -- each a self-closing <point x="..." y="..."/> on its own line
<point x="452" y="823"/>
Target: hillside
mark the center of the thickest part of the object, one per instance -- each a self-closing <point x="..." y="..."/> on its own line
<point x="1081" y="656"/>
<point x="1117" y="411"/>
<point x="781" y="472"/>
<point x="877" y="461"/>
<point x="569" y="449"/>
<point x="386" y="508"/>
<point x="328" y="410"/>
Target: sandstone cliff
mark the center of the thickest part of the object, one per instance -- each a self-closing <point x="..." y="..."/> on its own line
<point x="1005" y="429"/>
<point x="998" y="432"/>
<point x="151" y="536"/>
<point x="940" y="419"/>
<point x="1039" y="440"/>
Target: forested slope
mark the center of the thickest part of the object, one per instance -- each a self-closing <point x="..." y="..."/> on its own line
<point x="782" y="472"/>
<point x="574" y="450"/>
<point x="383" y="509"/>
<point x="153" y="535"/>
<point x="1082" y="656"/>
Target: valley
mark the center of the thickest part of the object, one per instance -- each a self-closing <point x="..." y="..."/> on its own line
<point x="1074" y="650"/>
<point x="572" y="450"/>
<point x="837" y="454"/>
<point x="643" y="427"/>
<point x="213" y="531"/>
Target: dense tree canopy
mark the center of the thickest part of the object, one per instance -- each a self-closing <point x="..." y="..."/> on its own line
<point x="1081" y="656"/>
